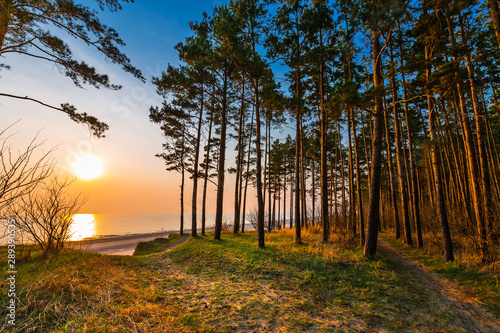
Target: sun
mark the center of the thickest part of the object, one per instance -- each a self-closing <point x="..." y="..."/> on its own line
<point x="88" y="167"/>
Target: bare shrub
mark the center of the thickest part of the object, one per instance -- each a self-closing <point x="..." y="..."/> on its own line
<point x="19" y="172"/>
<point x="226" y="226"/>
<point x="46" y="214"/>
<point x="253" y="218"/>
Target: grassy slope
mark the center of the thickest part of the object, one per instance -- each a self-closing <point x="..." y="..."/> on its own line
<point x="156" y="245"/>
<point x="226" y="286"/>
<point x="479" y="282"/>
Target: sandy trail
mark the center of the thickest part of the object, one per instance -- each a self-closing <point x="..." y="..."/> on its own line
<point x="120" y="245"/>
<point x="474" y="317"/>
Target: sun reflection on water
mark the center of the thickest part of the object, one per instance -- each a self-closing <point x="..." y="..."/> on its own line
<point x="83" y="226"/>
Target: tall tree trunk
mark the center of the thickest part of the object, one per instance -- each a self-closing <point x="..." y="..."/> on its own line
<point x="284" y="197"/>
<point x="335" y="185"/>
<point x="207" y="162"/>
<point x="413" y="169"/>
<point x="268" y="144"/>
<point x="469" y="143"/>
<point x="292" y="197"/>
<point x="358" y="184"/>
<point x="374" y="199"/>
<point x="392" y="189"/>
<point x="222" y="159"/>
<point x="183" y="171"/>
<point x="303" y="180"/>
<point x="313" y="192"/>
<point x="323" y="164"/>
<point x="274" y="204"/>
<point x="436" y="167"/>
<point x="483" y="158"/>
<point x="298" y="222"/>
<point x="298" y="139"/>
<point x="260" y="201"/>
<point x="399" y="152"/>
<point x="239" y="159"/>
<point x="247" y="172"/>
<point x="342" y="175"/>
<point x="368" y="154"/>
<point x="352" y="201"/>
<point x="194" y="202"/>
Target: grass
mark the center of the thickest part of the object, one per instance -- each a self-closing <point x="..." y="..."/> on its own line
<point x="479" y="281"/>
<point x="156" y="245"/>
<point x="226" y="286"/>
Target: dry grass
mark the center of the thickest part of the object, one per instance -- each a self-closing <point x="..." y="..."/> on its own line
<point x="227" y="286"/>
<point x="480" y="280"/>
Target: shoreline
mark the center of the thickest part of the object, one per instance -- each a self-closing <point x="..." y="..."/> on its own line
<point x="119" y="244"/>
<point x="132" y="236"/>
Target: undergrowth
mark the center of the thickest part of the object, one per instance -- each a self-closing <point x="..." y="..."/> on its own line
<point x="480" y="280"/>
<point x="231" y="285"/>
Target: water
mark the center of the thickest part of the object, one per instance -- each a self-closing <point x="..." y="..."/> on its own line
<point x="98" y="225"/>
<point x="102" y="225"/>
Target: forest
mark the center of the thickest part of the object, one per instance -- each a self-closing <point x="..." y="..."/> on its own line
<point x="348" y="118"/>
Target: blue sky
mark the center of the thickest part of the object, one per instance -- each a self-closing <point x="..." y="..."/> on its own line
<point x="135" y="181"/>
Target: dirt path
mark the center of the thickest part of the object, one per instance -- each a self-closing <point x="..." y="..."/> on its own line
<point x="476" y="319"/>
<point x="181" y="240"/>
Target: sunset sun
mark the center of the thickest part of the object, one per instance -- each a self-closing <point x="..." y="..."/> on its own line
<point x="88" y="167"/>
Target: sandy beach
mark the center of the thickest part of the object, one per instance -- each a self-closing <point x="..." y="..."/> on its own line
<point x="124" y="245"/>
<point x="115" y="245"/>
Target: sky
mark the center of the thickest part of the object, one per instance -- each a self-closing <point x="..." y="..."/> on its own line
<point x="134" y="181"/>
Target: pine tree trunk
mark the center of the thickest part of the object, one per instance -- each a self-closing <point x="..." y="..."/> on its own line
<point x="367" y="154"/>
<point x="194" y="227"/>
<point x="303" y="182"/>
<point x="269" y="201"/>
<point x="323" y="161"/>
<point x="284" y="197"/>
<point x="399" y="153"/>
<point x="436" y="169"/>
<point x="413" y="169"/>
<point x="183" y="171"/>
<point x="239" y="159"/>
<point x="260" y="199"/>
<point x="274" y="205"/>
<point x="392" y="189"/>
<point x="298" y="139"/>
<point x="222" y="160"/>
<point x="313" y="192"/>
<point x="243" y="220"/>
<point x="352" y="212"/>
<point x="292" y="197"/>
<point x="207" y="162"/>
<point x="342" y="175"/>
<point x="358" y="184"/>
<point x="483" y="158"/>
<point x="469" y="144"/>
<point x="374" y="199"/>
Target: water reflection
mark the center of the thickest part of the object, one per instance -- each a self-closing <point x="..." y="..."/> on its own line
<point x="84" y="226"/>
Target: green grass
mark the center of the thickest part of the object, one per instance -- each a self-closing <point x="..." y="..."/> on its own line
<point x="479" y="281"/>
<point x="226" y="286"/>
<point x="156" y="245"/>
